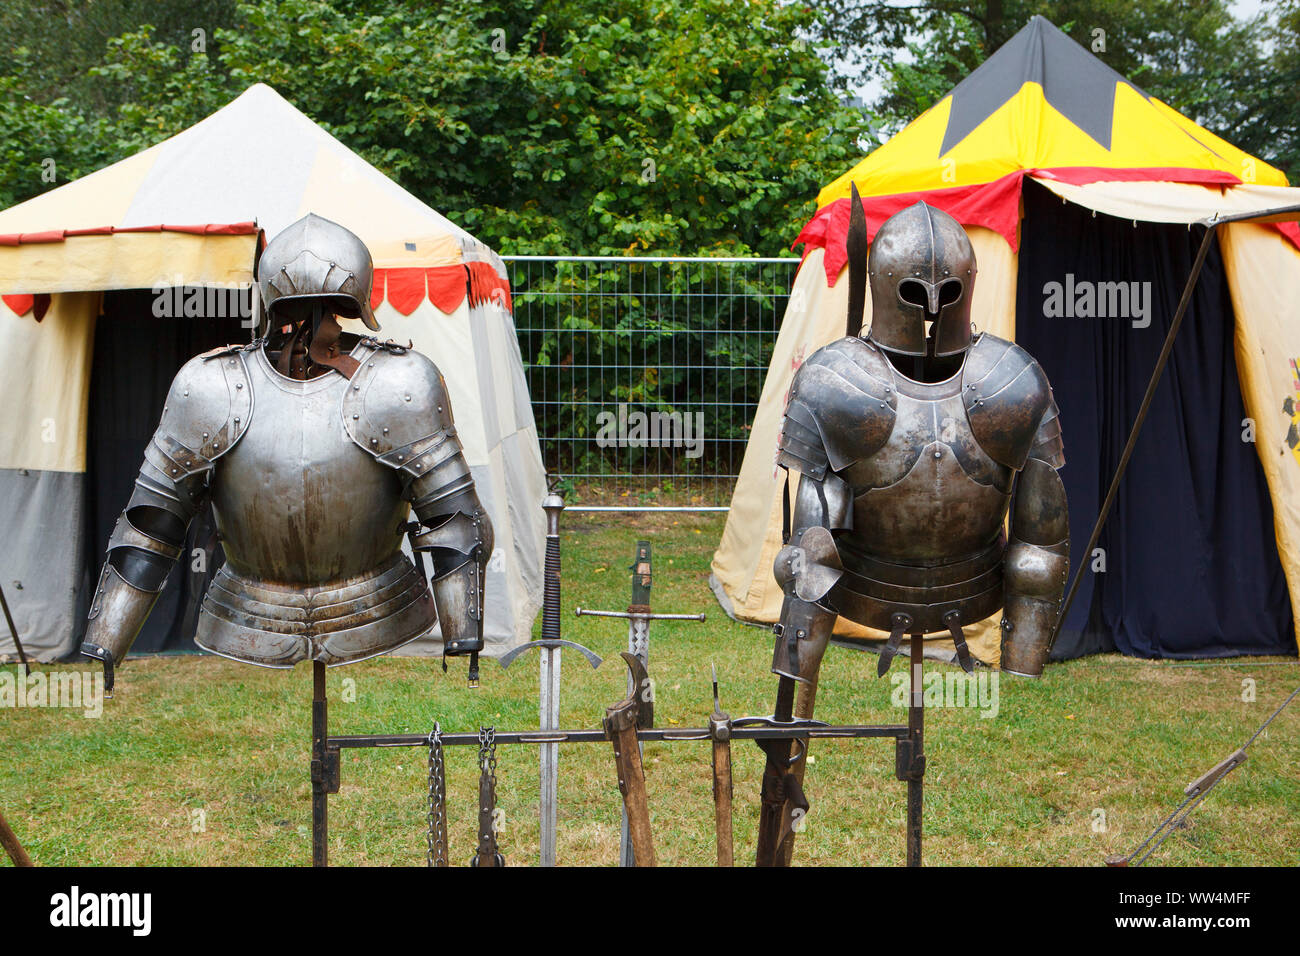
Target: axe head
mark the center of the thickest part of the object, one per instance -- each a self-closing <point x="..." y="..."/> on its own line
<point x="638" y="708"/>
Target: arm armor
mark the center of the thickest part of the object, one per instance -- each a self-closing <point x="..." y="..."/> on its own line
<point x="457" y="534"/>
<point x="1037" y="560"/>
<point x="207" y="409"/>
<point x="399" y="411"/>
<point x="806" y="572"/>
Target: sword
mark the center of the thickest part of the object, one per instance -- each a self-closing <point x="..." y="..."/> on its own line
<point x="548" y="704"/>
<point x="639" y="616"/>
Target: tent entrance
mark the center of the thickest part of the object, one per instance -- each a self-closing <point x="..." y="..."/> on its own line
<point x="1190" y="559"/>
<point x="141" y="341"/>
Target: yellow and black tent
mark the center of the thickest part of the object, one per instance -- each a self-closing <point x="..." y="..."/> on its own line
<point x="1080" y="193"/>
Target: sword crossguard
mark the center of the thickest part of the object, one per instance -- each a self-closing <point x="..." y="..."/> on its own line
<point x="588" y="612"/>
<point x="547" y="644"/>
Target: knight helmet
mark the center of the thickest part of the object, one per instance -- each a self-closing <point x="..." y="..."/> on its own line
<point x="922" y="273"/>
<point x="317" y="259"/>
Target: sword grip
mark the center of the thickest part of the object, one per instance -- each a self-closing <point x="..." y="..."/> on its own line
<point x="553" y="505"/>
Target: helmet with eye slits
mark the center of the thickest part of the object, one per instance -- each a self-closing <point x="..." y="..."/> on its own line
<point x="921" y="268"/>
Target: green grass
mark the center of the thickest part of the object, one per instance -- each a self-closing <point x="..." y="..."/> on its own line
<point x="201" y="733"/>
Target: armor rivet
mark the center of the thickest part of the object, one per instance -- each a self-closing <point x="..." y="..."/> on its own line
<point x="356" y="388"/>
<point x="236" y="421"/>
<point x="372" y="364"/>
<point x="175" y="470"/>
<point x="938" y="454"/>
<point x="205" y="434"/>
<point x="385" y="430"/>
<point x="355" y="416"/>
<point x="408" y="398"/>
<point x="239" y="385"/>
<point x="374" y="441"/>
<point x="187" y="391"/>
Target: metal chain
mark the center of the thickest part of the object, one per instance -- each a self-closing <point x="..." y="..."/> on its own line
<point x="488" y="748"/>
<point x="487" y="762"/>
<point x="437" y="837"/>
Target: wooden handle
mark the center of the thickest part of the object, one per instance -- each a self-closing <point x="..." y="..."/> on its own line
<point x="722" y="801"/>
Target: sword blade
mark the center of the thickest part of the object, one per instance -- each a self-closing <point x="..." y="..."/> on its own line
<point x="549" y="753"/>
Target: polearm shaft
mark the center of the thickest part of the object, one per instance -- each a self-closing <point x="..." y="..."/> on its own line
<point x="549" y="675"/>
<point x="13" y="632"/>
<point x="11" y="845"/>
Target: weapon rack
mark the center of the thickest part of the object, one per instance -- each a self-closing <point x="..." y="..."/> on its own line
<point x="909" y="754"/>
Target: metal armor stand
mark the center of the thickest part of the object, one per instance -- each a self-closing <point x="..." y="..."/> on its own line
<point x="911" y="759"/>
<point x="324" y="768"/>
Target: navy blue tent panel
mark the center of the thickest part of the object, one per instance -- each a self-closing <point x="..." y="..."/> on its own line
<point x="1191" y="568"/>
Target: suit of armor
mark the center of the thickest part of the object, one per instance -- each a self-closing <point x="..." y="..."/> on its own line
<point x="311" y="478"/>
<point x="912" y="444"/>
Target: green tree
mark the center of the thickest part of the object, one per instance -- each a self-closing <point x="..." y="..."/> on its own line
<point x="1192" y="54"/>
<point x="542" y="125"/>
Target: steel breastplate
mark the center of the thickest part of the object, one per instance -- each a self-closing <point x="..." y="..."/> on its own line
<point x="928" y="515"/>
<point x="310" y="527"/>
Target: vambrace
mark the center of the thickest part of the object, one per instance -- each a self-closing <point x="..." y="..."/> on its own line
<point x="806" y="572"/>
<point x="1035" y="568"/>
<point x="801" y="639"/>
<point x="457" y="534"/>
<point x="145" y="543"/>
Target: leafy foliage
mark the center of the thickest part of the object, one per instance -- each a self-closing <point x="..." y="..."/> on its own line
<point x="541" y="126"/>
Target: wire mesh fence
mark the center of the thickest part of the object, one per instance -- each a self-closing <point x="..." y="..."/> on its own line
<point x="645" y="372"/>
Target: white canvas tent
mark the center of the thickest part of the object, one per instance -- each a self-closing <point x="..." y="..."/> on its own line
<point x="234" y="180"/>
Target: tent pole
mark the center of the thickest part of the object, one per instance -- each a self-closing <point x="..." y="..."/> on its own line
<point x="1161" y="362"/>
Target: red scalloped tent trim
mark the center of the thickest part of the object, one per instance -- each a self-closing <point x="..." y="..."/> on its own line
<point x="445" y="286"/>
<point x="404" y="288"/>
<point x="994" y="205"/>
<point x="22" y="304"/>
